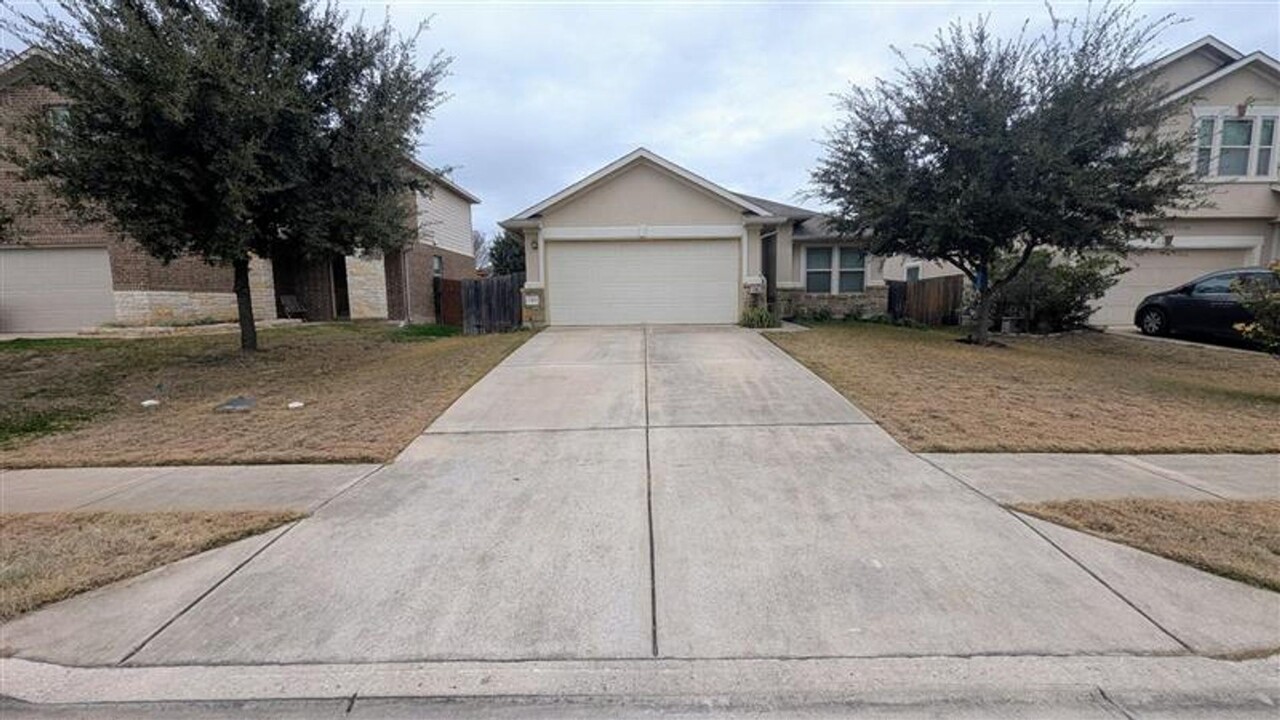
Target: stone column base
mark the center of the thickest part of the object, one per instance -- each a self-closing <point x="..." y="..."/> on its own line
<point x="533" y="307"/>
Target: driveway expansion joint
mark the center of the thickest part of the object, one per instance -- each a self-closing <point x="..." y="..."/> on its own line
<point x="1077" y="562"/>
<point x="1166" y="474"/>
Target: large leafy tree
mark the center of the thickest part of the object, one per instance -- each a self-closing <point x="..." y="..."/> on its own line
<point x="225" y="128"/>
<point x="994" y="147"/>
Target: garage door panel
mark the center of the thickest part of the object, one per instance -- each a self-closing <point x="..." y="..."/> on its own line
<point x="642" y="281"/>
<point x="1153" y="272"/>
<point x="54" y="289"/>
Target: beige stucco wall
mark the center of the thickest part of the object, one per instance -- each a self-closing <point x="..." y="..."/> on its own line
<point x="642" y="195"/>
<point x="895" y="268"/>
<point x="1246" y="197"/>
<point x="1185" y="70"/>
<point x="366" y="287"/>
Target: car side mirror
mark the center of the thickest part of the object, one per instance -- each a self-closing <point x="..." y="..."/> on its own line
<point x="1187" y="289"/>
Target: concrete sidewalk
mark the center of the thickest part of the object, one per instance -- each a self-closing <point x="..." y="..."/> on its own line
<point x="1039" y="477"/>
<point x="214" y="487"/>
<point x="618" y="507"/>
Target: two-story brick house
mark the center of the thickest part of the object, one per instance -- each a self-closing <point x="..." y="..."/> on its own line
<point x="64" y="276"/>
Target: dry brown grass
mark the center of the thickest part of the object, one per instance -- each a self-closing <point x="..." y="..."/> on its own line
<point x="1238" y="539"/>
<point x="366" y="395"/>
<point x="45" y="557"/>
<point x="1081" y="392"/>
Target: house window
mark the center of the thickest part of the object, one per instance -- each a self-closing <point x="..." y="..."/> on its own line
<point x="1233" y="151"/>
<point x="817" y="273"/>
<point x="851" y="271"/>
<point x="1204" y="146"/>
<point x="834" y="270"/>
<point x="437" y="266"/>
<point x="1235" y="147"/>
<point x="913" y="273"/>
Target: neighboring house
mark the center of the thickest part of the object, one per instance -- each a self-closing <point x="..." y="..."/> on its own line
<point x="65" y="276"/>
<point x="1233" y="113"/>
<point x="644" y="240"/>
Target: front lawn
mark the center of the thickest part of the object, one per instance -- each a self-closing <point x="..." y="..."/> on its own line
<point x="1079" y="392"/>
<point x="1233" y="538"/>
<point x="46" y="557"/>
<point x="368" y="390"/>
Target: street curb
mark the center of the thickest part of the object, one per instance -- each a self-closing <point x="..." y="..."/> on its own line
<point x="1180" y="679"/>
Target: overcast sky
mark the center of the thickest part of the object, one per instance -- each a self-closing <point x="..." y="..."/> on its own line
<point x="544" y="93"/>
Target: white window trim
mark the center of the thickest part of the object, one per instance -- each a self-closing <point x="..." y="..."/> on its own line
<point x="1219" y="113"/>
<point x="834" y="270"/>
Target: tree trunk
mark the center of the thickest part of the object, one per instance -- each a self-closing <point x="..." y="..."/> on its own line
<point x="244" y="307"/>
<point x="982" y="323"/>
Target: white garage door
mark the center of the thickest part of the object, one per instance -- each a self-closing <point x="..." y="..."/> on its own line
<point x="54" y="289"/>
<point x="1156" y="271"/>
<point x="642" y="281"/>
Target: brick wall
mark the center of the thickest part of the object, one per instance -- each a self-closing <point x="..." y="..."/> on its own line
<point x="417" y="260"/>
<point x="46" y="224"/>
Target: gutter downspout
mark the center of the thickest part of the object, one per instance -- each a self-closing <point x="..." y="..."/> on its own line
<point x="408" y="291"/>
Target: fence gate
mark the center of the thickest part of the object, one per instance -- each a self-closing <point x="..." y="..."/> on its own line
<point x="491" y="304"/>
<point x="448" y="301"/>
<point x="936" y="301"/>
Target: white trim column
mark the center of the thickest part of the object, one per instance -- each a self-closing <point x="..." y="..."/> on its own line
<point x="782" y="260"/>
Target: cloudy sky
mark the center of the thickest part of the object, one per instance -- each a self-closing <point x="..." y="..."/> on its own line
<point x="546" y="92"/>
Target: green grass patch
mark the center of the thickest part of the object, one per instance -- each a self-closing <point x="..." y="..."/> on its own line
<point x="32" y="424"/>
<point x="413" y="333"/>
<point x="24" y="344"/>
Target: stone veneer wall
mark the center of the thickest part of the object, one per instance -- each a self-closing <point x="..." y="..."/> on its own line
<point x="533" y="315"/>
<point x="874" y="300"/>
<point x="160" y="307"/>
<point x="366" y="287"/>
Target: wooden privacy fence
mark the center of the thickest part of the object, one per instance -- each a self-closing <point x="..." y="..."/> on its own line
<point x="479" y="306"/>
<point x="936" y="301"/>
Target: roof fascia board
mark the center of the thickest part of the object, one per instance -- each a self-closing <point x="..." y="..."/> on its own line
<point x="626" y="160"/>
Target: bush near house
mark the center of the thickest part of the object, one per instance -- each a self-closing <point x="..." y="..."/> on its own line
<point x="1053" y="294"/>
<point x="1264" y="302"/>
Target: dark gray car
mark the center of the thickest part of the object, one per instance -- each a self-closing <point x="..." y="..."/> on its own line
<point x="1207" y="305"/>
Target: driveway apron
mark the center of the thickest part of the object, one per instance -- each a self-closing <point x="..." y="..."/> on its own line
<point x="639" y="492"/>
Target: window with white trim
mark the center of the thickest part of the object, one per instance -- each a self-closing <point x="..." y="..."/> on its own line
<point x="1231" y="146"/>
<point x="830" y="269"/>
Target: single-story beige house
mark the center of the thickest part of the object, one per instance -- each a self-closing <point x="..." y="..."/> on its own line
<point x="643" y="240"/>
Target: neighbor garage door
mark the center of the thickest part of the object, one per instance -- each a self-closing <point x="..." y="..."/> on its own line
<point x="642" y="281"/>
<point x="54" y="289"/>
<point x="1155" y="271"/>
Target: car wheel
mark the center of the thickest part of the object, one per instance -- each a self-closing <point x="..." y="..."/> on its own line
<point x="1153" y="321"/>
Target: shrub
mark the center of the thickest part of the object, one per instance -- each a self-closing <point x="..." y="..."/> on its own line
<point x="758" y="317"/>
<point x="1262" y="299"/>
<point x="1053" y="294"/>
<point x="817" y="314"/>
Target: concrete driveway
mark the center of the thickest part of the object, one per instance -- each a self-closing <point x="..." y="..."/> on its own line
<point x="616" y="493"/>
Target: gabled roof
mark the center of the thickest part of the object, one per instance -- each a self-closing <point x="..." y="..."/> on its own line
<point x="1259" y="59"/>
<point x="10" y="70"/>
<point x="780" y="209"/>
<point x="1208" y="44"/>
<point x="438" y="177"/>
<point x="637" y="156"/>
